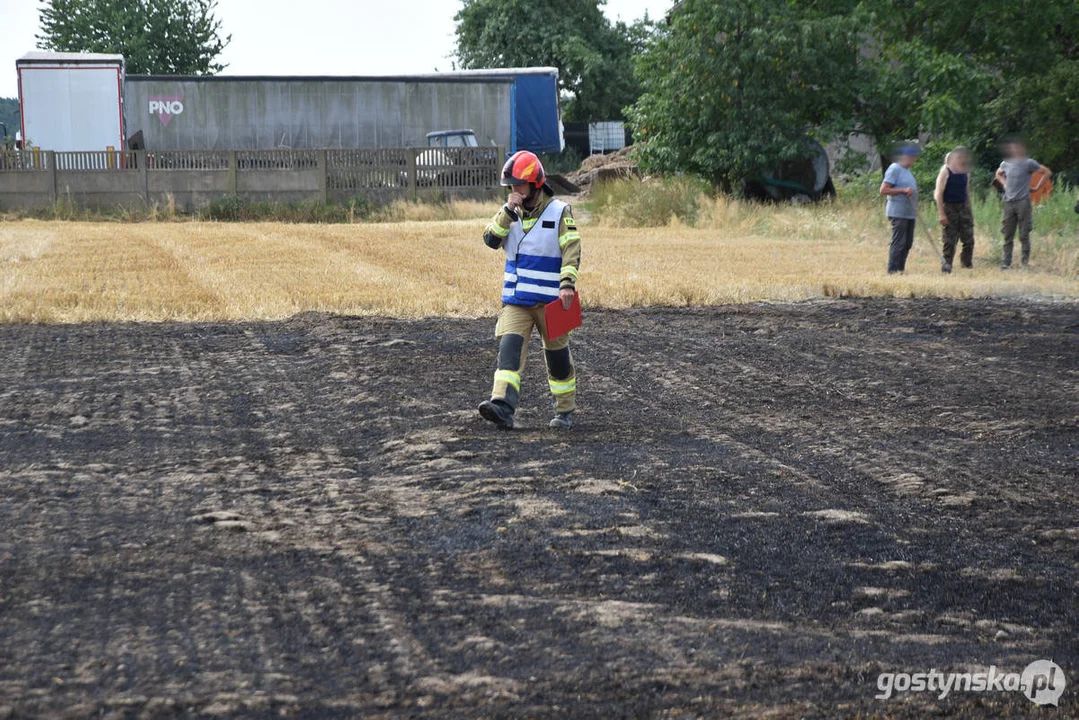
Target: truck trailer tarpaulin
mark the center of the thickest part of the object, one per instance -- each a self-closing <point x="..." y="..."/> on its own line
<point x="516" y="108"/>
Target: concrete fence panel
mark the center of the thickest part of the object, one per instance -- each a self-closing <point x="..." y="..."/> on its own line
<point x="191" y="178"/>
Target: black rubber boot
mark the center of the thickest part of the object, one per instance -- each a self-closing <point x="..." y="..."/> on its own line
<point x="498" y="412"/>
<point x="562" y="421"/>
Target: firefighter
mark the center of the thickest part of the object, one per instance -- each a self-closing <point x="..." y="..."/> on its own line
<point x="543" y="256"/>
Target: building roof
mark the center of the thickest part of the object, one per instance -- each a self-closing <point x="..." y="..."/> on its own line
<point x="486" y="75"/>
<point x="41" y="56"/>
<point x="494" y="72"/>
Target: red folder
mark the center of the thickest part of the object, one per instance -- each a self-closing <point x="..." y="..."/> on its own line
<point x="559" y="321"/>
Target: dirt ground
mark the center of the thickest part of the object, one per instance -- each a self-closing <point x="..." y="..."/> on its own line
<point x="763" y="507"/>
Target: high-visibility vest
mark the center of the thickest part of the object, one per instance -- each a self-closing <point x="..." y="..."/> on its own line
<point x="534" y="259"/>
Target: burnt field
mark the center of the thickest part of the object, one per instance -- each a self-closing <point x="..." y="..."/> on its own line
<point x="762" y="508"/>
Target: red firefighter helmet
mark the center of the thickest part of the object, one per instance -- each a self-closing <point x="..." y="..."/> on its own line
<point x="523" y="167"/>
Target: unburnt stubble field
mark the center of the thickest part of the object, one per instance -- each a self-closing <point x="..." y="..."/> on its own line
<point x="75" y="271"/>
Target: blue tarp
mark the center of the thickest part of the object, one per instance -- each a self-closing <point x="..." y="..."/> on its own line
<point x="535" y="114"/>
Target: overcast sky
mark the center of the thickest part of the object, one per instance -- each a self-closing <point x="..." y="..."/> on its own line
<point x="311" y="37"/>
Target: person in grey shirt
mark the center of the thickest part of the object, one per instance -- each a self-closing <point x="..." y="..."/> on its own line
<point x="901" y="189"/>
<point x="1014" y="176"/>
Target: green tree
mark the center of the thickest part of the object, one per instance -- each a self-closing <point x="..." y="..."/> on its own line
<point x="593" y="56"/>
<point x="971" y="71"/>
<point x="9" y="116"/>
<point x="162" y="37"/>
<point x="1045" y="108"/>
<point x="731" y="89"/>
<point x="913" y="88"/>
<point x="1033" y="55"/>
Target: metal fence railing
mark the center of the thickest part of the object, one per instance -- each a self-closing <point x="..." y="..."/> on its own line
<point x="88" y="160"/>
<point x="15" y="160"/>
<point x="449" y="168"/>
<point x="247" y="160"/>
<point x="367" y="168"/>
<point x="187" y="160"/>
<point x="458" y="167"/>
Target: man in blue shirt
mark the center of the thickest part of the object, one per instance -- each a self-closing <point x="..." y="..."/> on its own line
<point x="901" y="189"/>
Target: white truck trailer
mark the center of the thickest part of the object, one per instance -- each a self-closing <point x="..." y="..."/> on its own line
<point x="71" y="101"/>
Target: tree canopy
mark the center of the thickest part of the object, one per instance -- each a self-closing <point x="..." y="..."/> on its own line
<point x="974" y="72"/>
<point x="594" y="57"/>
<point x="156" y="37"/>
<point x="731" y="89"/>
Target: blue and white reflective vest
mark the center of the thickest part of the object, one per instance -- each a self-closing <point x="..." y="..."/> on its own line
<point x="534" y="259"/>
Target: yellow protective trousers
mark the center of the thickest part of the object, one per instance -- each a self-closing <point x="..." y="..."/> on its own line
<point x="514" y="328"/>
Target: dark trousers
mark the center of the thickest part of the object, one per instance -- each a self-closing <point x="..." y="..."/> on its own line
<point x="960" y="228"/>
<point x="902" y="242"/>
<point x="1016" y="215"/>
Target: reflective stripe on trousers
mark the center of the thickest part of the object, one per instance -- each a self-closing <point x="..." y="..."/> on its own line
<point x="515" y="325"/>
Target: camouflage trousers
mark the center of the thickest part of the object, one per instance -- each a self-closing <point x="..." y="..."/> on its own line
<point x="960" y="228"/>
